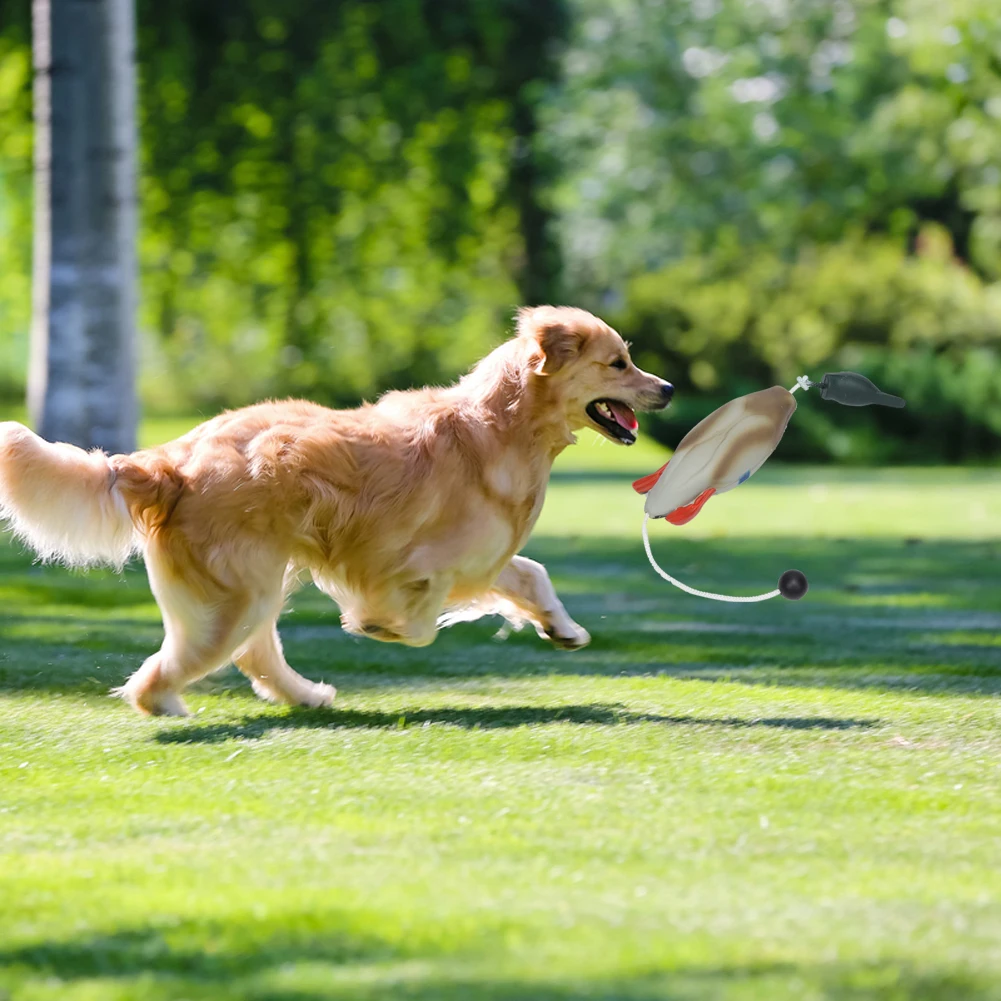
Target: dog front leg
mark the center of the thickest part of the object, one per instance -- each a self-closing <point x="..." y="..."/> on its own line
<point x="526" y="585"/>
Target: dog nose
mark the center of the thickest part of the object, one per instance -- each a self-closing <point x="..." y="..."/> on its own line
<point x="666" y="391"/>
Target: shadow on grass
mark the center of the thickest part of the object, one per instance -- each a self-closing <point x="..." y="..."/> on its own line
<point x="480" y="718"/>
<point x="881" y="613"/>
<point x="225" y="963"/>
<point x="181" y="951"/>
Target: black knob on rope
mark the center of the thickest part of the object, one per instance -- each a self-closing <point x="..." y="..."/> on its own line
<point x="793" y="585"/>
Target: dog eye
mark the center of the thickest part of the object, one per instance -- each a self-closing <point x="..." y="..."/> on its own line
<point x="619" y="363"/>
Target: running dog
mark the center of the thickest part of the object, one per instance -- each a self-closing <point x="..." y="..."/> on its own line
<point x="408" y="512"/>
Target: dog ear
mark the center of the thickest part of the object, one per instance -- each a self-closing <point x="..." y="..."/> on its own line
<point x="553" y="338"/>
<point x="559" y="345"/>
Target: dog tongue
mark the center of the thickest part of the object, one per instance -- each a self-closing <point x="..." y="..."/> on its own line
<point x="623" y="415"/>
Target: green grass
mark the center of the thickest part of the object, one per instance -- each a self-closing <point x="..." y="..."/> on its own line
<point x="784" y="801"/>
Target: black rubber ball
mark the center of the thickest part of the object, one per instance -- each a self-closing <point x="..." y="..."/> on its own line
<point x="793" y="585"/>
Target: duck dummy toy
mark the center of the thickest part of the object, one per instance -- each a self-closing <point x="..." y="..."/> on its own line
<point x="727" y="448"/>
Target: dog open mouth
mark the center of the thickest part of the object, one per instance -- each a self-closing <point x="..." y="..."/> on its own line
<point x="615" y="418"/>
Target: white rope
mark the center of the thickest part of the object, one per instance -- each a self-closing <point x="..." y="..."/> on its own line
<point x="802" y="382"/>
<point x="693" y="590"/>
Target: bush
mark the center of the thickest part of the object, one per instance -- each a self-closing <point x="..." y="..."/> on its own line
<point x="923" y="326"/>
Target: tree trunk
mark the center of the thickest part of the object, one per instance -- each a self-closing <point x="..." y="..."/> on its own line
<point x="81" y="384"/>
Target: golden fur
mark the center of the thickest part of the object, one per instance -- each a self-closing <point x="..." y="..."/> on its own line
<point x="408" y="512"/>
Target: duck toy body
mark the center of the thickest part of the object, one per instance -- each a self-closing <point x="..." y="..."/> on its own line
<point x="722" y="451"/>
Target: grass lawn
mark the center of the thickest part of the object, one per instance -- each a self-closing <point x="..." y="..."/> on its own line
<point x="782" y="801"/>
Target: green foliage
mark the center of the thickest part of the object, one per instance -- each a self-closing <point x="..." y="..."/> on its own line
<point x="766" y="187"/>
<point x="328" y="203"/>
<point x="921" y="325"/>
<point x="336" y="197"/>
<point x="687" y="127"/>
<point x="15" y="208"/>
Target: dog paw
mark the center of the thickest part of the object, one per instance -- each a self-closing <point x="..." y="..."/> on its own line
<point x="313" y="695"/>
<point x="152" y="703"/>
<point x="570" y="637"/>
<point x="320" y="695"/>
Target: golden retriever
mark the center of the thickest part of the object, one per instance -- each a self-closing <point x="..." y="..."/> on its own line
<point x="408" y="512"/>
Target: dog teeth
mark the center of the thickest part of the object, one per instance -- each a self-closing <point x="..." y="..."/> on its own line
<point x="605" y="410"/>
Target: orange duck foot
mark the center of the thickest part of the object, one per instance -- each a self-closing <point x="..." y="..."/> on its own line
<point x="683" y="515"/>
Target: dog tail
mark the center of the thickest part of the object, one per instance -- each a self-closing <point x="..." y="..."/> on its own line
<point x="70" y="505"/>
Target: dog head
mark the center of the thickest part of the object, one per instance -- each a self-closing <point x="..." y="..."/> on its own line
<point x="588" y="363"/>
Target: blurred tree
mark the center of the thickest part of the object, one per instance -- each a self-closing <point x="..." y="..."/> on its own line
<point x="339" y="196"/>
<point x="755" y="188"/>
<point x="82" y="386"/>
<point x="336" y="196"/>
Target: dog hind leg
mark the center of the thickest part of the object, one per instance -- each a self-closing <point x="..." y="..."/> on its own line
<point x="261" y="659"/>
<point x="525" y="584"/>
<point x="204" y="622"/>
<point x="186" y="655"/>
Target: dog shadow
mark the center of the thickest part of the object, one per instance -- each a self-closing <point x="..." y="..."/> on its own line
<point x="480" y="718"/>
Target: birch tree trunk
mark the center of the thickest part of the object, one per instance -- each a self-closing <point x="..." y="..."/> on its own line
<point x="81" y="383"/>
